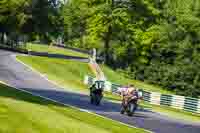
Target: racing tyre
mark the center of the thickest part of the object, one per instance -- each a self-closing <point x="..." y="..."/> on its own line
<point x="97" y="100"/>
<point x="131" y="109"/>
<point x="91" y="100"/>
<point x="122" y="111"/>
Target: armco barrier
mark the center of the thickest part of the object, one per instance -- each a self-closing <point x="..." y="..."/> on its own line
<point x="114" y="88"/>
<point x="146" y="96"/>
<point x="174" y="101"/>
<point x="166" y="100"/>
<point x="191" y="104"/>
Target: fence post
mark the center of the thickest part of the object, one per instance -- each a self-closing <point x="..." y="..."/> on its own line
<point x="94" y="54"/>
<point x="198" y="108"/>
<point x="178" y="102"/>
<point x="155" y="98"/>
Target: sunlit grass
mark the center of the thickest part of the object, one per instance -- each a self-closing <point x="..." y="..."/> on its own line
<point x="23" y="113"/>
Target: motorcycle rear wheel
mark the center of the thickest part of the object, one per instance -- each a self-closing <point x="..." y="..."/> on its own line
<point x="131" y="109"/>
<point x="122" y="111"/>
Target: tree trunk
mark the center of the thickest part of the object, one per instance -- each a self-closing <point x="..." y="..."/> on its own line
<point x="108" y="38"/>
<point x="81" y="36"/>
<point x="107" y="45"/>
<point x="2" y="37"/>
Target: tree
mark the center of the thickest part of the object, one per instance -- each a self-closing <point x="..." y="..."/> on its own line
<point x="150" y="40"/>
<point x="75" y="15"/>
<point x="13" y="16"/>
<point x="29" y="17"/>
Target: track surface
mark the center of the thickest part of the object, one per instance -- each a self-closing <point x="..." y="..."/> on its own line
<point x="20" y="76"/>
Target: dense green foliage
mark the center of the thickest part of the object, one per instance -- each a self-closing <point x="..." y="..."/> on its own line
<point x="156" y="41"/>
<point x="150" y="40"/>
<point x="28" y="20"/>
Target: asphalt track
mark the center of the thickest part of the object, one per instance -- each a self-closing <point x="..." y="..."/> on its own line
<point x="18" y="75"/>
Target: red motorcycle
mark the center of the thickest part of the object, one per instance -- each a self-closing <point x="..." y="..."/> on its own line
<point x="129" y="105"/>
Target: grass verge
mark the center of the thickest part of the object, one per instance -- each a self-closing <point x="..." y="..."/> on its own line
<point x="68" y="73"/>
<point x="21" y="112"/>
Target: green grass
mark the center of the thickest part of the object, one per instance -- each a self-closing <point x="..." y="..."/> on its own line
<point x="116" y="77"/>
<point x="68" y="73"/>
<point x="21" y="112"/>
<point x="54" y="50"/>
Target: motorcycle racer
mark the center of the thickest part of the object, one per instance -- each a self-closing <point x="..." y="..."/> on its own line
<point x="129" y="94"/>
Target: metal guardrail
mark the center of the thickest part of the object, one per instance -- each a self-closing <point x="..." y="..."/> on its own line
<point x="179" y="102"/>
<point x="21" y="47"/>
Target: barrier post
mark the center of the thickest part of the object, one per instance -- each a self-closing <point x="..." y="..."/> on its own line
<point x="155" y="98"/>
<point x="178" y="101"/>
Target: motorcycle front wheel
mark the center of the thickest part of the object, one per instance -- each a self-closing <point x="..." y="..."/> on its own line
<point x="91" y="100"/>
<point x="97" y="99"/>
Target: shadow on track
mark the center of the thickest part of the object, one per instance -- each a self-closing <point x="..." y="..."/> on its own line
<point x="78" y="100"/>
<point x="58" y="56"/>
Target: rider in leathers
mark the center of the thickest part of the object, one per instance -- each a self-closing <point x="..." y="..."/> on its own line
<point x="127" y="93"/>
